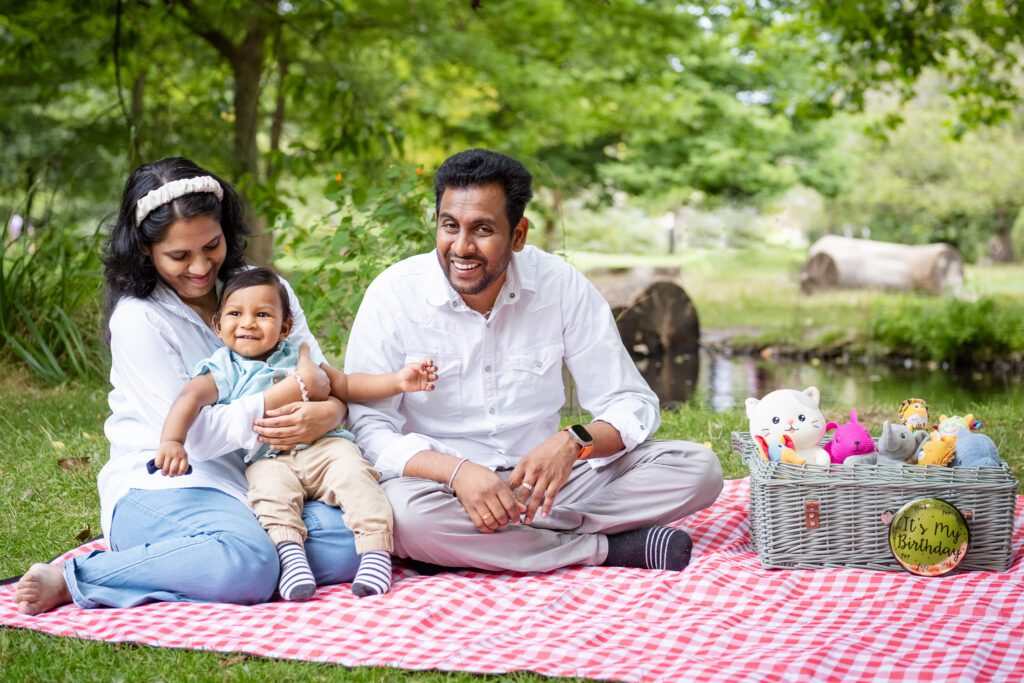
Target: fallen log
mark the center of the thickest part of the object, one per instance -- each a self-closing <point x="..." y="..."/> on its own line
<point x="655" y="316"/>
<point x="844" y="262"/>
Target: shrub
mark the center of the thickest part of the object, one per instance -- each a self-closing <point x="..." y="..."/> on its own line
<point x="948" y="329"/>
<point x="50" y="293"/>
<point x="331" y="262"/>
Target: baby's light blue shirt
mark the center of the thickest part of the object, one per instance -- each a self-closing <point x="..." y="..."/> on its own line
<point x="238" y="376"/>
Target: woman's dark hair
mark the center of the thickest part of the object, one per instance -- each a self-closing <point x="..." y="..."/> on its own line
<point x="254" y="277"/>
<point x="127" y="269"/>
<point x="475" y="167"/>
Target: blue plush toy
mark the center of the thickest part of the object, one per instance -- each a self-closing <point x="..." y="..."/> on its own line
<point x="975" y="450"/>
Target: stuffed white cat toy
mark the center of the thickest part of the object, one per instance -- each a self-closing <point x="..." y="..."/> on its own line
<point x="793" y="414"/>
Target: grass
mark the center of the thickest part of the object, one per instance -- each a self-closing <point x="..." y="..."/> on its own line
<point x="48" y="503"/>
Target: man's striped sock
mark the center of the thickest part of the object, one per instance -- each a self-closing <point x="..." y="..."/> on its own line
<point x="297" y="582"/>
<point x="374" y="574"/>
<point x="653" y="547"/>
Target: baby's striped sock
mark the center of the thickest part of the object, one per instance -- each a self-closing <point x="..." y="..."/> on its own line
<point x="374" y="574"/>
<point x="297" y="582"/>
<point x="653" y="547"/>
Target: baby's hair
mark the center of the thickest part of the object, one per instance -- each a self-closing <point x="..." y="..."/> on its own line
<point x="127" y="268"/>
<point x="255" y="277"/>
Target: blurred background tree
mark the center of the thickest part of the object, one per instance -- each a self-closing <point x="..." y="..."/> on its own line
<point x="896" y="117"/>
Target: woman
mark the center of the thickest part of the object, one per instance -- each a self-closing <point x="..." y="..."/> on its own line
<point x="179" y="234"/>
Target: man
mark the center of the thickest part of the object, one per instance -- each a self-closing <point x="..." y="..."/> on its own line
<point x="477" y="471"/>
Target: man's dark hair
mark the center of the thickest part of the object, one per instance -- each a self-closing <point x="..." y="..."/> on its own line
<point x="476" y="167"/>
<point x="254" y="277"/>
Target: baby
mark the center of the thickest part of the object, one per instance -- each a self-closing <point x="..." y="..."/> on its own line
<point x="253" y="319"/>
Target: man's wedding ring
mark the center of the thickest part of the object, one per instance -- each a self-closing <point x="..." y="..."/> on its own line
<point x="528" y="486"/>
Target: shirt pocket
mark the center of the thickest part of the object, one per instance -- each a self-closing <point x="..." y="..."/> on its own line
<point x="446" y="398"/>
<point x="535" y="372"/>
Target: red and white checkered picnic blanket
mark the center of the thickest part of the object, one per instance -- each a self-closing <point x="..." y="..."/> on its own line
<point x="722" y="619"/>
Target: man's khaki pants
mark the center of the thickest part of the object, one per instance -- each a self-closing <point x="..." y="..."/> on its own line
<point x="656" y="483"/>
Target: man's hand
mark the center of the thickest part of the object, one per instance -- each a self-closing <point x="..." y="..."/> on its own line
<point x="543" y="471"/>
<point x="171" y="458"/>
<point x="318" y="384"/>
<point x="417" y="376"/>
<point x="487" y="499"/>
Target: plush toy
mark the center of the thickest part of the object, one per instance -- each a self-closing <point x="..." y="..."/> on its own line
<point x="783" y="450"/>
<point x="897" y="445"/>
<point x="975" y="450"/>
<point x="937" y="452"/>
<point x="787" y="412"/>
<point x="913" y="413"/>
<point x="949" y="427"/>
<point x="852" y="438"/>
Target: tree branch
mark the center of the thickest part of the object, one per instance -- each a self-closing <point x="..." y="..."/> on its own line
<point x="201" y="26"/>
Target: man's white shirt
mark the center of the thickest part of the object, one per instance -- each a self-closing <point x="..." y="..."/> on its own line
<point x="500" y="380"/>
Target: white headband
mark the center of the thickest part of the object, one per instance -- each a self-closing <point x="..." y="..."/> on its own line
<point x="171" y="191"/>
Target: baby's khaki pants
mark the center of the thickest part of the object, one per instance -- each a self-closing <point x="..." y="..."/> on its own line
<point x="331" y="470"/>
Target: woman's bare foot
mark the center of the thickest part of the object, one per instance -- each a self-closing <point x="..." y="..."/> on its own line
<point x="41" y="589"/>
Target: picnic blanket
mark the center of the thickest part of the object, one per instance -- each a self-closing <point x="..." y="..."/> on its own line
<point x="722" y="619"/>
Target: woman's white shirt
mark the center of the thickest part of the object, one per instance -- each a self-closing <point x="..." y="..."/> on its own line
<point x="155" y="343"/>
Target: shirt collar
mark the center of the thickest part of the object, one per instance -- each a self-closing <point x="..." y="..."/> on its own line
<point x="521" y="276"/>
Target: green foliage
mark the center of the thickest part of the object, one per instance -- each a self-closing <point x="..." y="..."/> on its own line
<point x="374" y="223"/>
<point x="919" y="183"/>
<point x="948" y="329"/>
<point x="49" y="303"/>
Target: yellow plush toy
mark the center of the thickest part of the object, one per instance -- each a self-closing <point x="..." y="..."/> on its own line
<point x="937" y="452"/>
<point x="914" y="413"/>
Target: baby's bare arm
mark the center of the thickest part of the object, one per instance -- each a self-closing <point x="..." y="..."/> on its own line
<point x="200" y="392"/>
<point x="361" y="387"/>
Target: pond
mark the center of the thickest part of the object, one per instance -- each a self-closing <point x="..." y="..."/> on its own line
<point x="726" y="381"/>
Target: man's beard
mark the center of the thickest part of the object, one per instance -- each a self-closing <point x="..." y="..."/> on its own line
<point x="486" y="279"/>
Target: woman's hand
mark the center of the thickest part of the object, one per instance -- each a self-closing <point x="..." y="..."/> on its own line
<point x="299" y="423"/>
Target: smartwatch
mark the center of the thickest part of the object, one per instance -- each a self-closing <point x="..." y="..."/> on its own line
<point x="580" y="435"/>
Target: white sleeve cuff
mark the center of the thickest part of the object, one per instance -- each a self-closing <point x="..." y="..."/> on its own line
<point x="632" y="429"/>
<point x="226" y="428"/>
<point x="391" y="463"/>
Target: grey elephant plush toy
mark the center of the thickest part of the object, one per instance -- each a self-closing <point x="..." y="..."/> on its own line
<point x="896" y="446"/>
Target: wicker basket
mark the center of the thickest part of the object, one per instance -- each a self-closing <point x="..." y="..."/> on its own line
<point x="812" y="516"/>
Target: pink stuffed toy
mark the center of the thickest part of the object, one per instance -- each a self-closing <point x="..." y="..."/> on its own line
<point x="852" y="438"/>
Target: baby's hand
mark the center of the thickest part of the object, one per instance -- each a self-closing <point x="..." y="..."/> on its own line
<point x="318" y="384"/>
<point x="171" y="459"/>
<point x="418" y="376"/>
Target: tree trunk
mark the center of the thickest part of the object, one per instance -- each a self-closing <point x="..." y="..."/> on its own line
<point x="655" y="316"/>
<point x="836" y="261"/>
<point x="1001" y="249"/>
<point x="248" y="69"/>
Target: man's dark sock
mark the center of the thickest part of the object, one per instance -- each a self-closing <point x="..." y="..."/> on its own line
<point x="653" y="547"/>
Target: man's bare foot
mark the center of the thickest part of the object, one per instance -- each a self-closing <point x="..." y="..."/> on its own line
<point x="41" y="589"/>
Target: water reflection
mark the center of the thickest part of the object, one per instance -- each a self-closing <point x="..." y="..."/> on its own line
<point x="673" y="376"/>
<point x="728" y="381"/>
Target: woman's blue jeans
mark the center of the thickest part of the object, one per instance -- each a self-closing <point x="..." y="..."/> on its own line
<point x="200" y="545"/>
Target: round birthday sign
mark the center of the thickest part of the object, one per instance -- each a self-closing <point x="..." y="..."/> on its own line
<point x="929" y="536"/>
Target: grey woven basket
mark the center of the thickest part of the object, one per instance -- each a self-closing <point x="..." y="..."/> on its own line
<point x="813" y="516"/>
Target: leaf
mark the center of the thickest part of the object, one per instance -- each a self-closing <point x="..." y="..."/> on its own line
<point x="70" y="464"/>
<point x="84" y="533"/>
<point x="231" y="661"/>
<point x="59" y="445"/>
